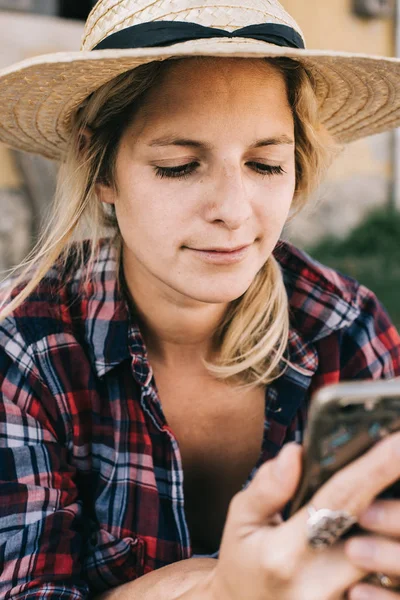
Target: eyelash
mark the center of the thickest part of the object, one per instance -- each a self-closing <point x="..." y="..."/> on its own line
<point x="184" y="171"/>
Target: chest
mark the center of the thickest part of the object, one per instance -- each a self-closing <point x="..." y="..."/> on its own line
<point x="219" y="431"/>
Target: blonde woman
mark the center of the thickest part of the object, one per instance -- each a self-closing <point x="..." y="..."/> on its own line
<point x="151" y="374"/>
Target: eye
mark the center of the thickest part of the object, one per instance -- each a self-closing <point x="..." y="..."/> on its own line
<point x="184" y="171"/>
<point x="264" y="169"/>
<point x="180" y="172"/>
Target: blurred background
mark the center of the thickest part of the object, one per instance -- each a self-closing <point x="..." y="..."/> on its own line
<point x="353" y="223"/>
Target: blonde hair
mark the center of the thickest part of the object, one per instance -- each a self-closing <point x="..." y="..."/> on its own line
<point x="253" y="337"/>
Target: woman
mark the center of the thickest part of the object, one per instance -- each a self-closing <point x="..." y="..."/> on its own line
<point x="151" y="375"/>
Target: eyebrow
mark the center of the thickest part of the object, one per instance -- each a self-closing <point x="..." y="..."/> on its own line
<point x="175" y="141"/>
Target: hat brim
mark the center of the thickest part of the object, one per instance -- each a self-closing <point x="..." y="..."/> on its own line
<point x="358" y="94"/>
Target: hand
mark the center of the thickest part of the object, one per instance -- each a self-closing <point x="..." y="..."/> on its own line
<point x="380" y="553"/>
<point x="173" y="582"/>
<point x="259" y="561"/>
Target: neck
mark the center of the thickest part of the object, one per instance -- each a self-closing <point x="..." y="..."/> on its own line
<point x="177" y="330"/>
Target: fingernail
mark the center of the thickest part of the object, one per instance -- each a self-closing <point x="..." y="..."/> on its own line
<point x="278" y="466"/>
<point x="374" y="515"/>
<point x="281" y="463"/>
<point x="361" y="549"/>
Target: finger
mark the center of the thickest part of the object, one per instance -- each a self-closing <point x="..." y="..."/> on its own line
<point x="271" y="489"/>
<point x="362" y="591"/>
<point x="354" y="487"/>
<point x="383" y="516"/>
<point x="374" y="554"/>
<point x="275" y="520"/>
<point x="330" y="569"/>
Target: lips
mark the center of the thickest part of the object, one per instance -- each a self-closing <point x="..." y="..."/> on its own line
<point x="222" y="255"/>
<point x="224" y="250"/>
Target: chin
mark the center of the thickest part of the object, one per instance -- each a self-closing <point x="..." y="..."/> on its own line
<point x="213" y="288"/>
<point x="217" y="294"/>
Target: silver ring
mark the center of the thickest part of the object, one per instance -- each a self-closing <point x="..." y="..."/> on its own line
<point x="388" y="583"/>
<point x="325" y="526"/>
<point x="385" y="581"/>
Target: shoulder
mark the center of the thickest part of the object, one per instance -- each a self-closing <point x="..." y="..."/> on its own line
<point x="54" y="313"/>
<point x="336" y="311"/>
<point x="321" y="299"/>
<point x="303" y="274"/>
<point x="48" y="305"/>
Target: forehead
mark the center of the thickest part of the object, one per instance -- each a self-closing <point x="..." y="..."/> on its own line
<point x="211" y="71"/>
<point x="213" y="90"/>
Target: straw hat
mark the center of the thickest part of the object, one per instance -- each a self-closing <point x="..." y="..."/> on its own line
<point x="358" y="94"/>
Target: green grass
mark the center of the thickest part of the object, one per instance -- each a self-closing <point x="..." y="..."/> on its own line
<point x="371" y="254"/>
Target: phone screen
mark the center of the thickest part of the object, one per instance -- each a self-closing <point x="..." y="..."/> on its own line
<point x="342" y="429"/>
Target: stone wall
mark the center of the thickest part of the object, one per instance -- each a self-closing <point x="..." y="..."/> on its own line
<point x="360" y="178"/>
<point x="27" y="181"/>
<point x="358" y="182"/>
<point x="43" y="7"/>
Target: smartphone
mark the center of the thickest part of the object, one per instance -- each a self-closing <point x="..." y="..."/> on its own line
<point x="344" y="421"/>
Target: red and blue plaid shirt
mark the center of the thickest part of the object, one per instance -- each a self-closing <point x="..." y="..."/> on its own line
<point x="91" y="492"/>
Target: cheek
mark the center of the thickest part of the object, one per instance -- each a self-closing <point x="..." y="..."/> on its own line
<point x="274" y="204"/>
<point x="147" y="216"/>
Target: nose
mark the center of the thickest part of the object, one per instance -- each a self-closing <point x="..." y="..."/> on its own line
<point x="229" y="200"/>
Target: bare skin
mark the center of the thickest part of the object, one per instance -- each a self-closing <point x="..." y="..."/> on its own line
<point x="207" y="123"/>
<point x="219" y="453"/>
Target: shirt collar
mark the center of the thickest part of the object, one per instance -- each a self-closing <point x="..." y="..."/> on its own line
<point x="319" y="305"/>
<point x="111" y="334"/>
<point x="321" y="301"/>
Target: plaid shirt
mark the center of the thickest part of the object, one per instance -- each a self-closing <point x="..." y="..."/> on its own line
<point x="91" y="492"/>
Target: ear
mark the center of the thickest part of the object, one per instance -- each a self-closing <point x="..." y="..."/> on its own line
<point x="105" y="193"/>
<point x="85" y="135"/>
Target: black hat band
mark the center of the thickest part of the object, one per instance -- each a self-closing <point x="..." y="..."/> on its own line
<point x="167" y="33"/>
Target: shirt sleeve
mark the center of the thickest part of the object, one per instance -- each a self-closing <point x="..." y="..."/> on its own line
<point x="370" y="347"/>
<point x="40" y="512"/>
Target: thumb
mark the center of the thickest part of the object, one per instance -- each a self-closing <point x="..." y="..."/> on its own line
<point x="272" y="487"/>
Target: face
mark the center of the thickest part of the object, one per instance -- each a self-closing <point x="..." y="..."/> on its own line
<point x="205" y="176"/>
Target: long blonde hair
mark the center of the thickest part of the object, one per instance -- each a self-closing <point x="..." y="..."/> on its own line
<point x="253" y="337"/>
